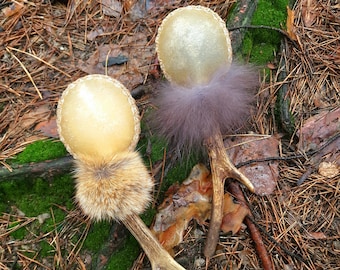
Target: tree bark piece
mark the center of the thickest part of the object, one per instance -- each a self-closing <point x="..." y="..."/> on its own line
<point x="47" y="168"/>
<point x="241" y="16"/>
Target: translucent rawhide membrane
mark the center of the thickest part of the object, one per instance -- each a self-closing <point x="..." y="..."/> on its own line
<point x="97" y="118"/>
<point x="192" y="44"/>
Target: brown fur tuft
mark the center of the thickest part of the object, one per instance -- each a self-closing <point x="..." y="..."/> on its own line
<point x="115" y="190"/>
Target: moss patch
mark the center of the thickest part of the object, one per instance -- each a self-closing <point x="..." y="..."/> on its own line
<point x="40" y="151"/>
<point x="36" y="196"/>
<point x="124" y="258"/>
<point x="97" y="235"/>
<point x="260" y="45"/>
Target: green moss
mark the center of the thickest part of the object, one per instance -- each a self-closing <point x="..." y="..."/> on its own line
<point x="40" y="151"/>
<point x="36" y="196"/>
<point x="49" y="224"/>
<point x="181" y="171"/>
<point x="148" y="216"/>
<point x="247" y="44"/>
<point x="153" y="147"/>
<point x="45" y="249"/>
<point x="97" y="235"/>
<point x="260" y="45"/>
<point x="124" y="258"/>
<point x="269" y="13"/>
<point x="262" y="53"/>
<point x="19" y="234"/>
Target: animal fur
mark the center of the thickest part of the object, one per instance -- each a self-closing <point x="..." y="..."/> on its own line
<point x="115" y="190"/>
<point x="187" y="116"/>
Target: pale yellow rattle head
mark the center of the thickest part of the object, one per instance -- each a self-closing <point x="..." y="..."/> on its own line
<point x="98" y="118"/>
<point x="192" y="43"/>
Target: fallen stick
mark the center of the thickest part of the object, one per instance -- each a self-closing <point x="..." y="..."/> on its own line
<point x="261" y="250"/>
<point x="47" y="168"/>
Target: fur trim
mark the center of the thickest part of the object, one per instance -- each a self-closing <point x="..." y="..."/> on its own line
<point x="186" y="117"/>
<point x="114" y="190"/>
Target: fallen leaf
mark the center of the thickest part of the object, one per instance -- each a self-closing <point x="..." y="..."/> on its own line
<point x="112" y="8"/>
<point x="321" y="132"/>
<point x="127" y="4"/>
<point x="48" y="128"/>
<point x="91" y="35"/>
<point x="318" y="102"/>
<point x="263" y="175"/>
<point x="173" y="235"/>
<point x="135" y="48"/>
<point x="290" y="24"/>
<point x="233" y="215"/>
<point x="316" y="235"/>
<point x="13" y="9"/>
<point x="288" y="267"/>
<point x="42" y="217"/>
<point x="271" y="66"/>
<point x="244" y="256"/>
<point x="328" y="169"/>
<point x="191" y="200"/>
<point x="317" y="129"/>
<point x="38" y="114"/>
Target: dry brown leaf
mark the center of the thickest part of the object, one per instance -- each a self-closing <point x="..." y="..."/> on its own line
<point x="317" y="129"/>
<point x="263" y="175"/>
<point x="112" y="8"/>
<point x="233" y="215"/>
<point x="91" y="35"/>
<point x="13" y="9"/>
<point x="48" y="128"/>
<point x="133" y="73"/>
<point x="191" y="200"/>
<point x="173" y="235"/>
<point x="316" y="235"/>
<point x="290" y="24"/>
<point x="128" y="4"/>
<point x="29" y="119"/>
<point x="271" y="66"/>
<point x="329" y="169"/>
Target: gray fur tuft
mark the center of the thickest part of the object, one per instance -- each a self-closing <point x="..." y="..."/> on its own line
<point x="186" y="117"/>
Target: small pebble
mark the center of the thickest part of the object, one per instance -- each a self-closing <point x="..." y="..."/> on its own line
<point x="199" y="263"/>
<point x="43" y="217"/>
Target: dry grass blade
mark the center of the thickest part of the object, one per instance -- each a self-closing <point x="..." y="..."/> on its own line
<point x="26" y="71"/>
<point x="41" y="60"/>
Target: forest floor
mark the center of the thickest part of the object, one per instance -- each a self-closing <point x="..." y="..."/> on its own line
<point x="45" y="46"/>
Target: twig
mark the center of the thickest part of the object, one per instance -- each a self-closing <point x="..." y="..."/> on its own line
<point x="242" y="13"/>
<point x="255" y="233"/>
<point x="309" y="153"/>
<point x="260" y="27"/>
<point x="271" y="238"/>
<point x="48" y="167"/>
